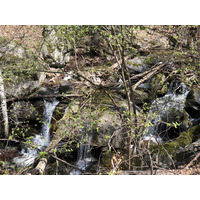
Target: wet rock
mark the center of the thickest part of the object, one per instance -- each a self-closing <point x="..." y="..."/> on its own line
<point x="39" y="107"/>
<point x="142" y="63"/>
<point x="23" y="111"/>
<point x="179" y="150"/>
<point x="140" y="96"/>
<point x="168" y="109"/>
<point x="9" y="154"/>
<point x="65" y="86"/>
<point x="43" y="90"/>
<point x="192" y="104"/>
<point x="157" y="84"/>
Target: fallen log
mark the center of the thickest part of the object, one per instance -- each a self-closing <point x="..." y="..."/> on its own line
<point x="149" y="75"/>
<point x="58" y="136"/>
<point x="39" y="169"/>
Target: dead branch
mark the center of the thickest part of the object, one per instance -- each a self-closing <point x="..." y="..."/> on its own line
<point x="119" y="62"/>
<point x="79" y="73"/>
<point x="63" y="161"/>
<point x="149" y="75"/>
<point x="192" y="161"/>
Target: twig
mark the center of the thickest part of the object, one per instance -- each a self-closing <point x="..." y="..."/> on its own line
<point x="192" y="161"/>
<point x="86" y="78"/>
<point x="63" y="161"/>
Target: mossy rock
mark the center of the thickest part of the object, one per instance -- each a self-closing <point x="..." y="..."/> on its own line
<point x="152" y="59"/>
<point x="140" y="96"/>
<point x="55" y="50"/>
<point x="172" y="148"/>
<point x="157" y="84"/>
<point x="185" y="138"/>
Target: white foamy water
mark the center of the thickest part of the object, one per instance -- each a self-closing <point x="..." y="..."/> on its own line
<point x="164" y="107"/>
<point x="85" y="157"/>
<point x="42" y="140"/>
<point x="68" y="76"/>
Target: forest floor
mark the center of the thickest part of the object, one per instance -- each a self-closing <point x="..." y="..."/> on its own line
<point x="194" y="170"/>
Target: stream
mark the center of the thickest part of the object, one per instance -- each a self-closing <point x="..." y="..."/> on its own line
<point x="168" y="108"/>
<point x="85" y="158"/>
<point x="41" y="140"/>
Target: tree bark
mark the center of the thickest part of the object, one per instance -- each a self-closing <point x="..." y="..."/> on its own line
<point x="4" y="106"/>
<point x="39" y="169"/>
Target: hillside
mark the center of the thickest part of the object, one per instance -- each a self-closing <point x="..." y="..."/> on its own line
<point x="99" y="100"/>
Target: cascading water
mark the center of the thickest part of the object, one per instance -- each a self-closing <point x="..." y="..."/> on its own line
<point x="85" y="158"/>
<point x="41" y="140"/>
<point x="165" y="109"/>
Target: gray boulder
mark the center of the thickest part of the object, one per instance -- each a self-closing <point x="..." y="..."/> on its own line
<point x="109" y="127"/>
<point x="12" y="49"/>
<point x="21" y="89"/>
<point x="23" y="111"/>
<point x="65" y="86"/>
<point x="137" y="65"/>
<point x="55" y="51"/>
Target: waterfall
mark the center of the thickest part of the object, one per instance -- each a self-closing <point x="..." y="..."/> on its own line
<point x="165" y="109"/>
<point x="84" y="158"/>
<point x="41" y="140"/>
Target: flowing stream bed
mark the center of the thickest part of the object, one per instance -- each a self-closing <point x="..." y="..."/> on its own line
<point x="41" y="140"/>
<point x="85" y="158"/>
<point x="163" y="110"/>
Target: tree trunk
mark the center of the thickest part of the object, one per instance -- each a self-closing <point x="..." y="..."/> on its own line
<point x="4" y="106"/>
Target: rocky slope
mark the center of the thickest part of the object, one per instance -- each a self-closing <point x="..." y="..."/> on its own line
<point x="93" y="111"/>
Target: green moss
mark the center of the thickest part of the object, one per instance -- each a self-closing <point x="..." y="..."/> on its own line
<point x="185" y="138"/>
<point x="140" y="96"/>
<point x="102" y="99"/>
<point x="159" y="84"/>
<point x="150" y="60"/>
<point x="163" y="90"/>
<point x="106" y="159"/>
